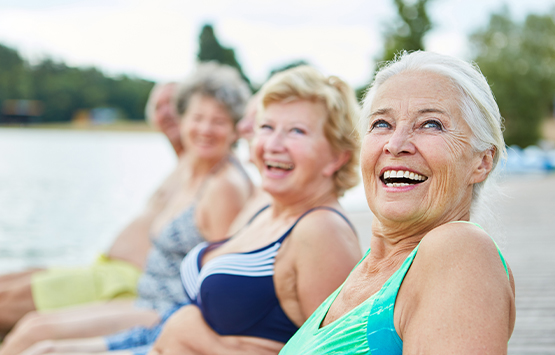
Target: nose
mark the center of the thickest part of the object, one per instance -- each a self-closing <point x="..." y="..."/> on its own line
<point x="206" y="127"/>
<point x="274" y="143"/>
<point x="400" y="142"/>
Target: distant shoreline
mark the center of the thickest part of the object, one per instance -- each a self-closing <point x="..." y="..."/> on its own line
<point x="119" y="126"/>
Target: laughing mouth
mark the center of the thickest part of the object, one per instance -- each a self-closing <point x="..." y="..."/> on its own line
<point x="397" y="178"/>
<point x="279" y="165"/>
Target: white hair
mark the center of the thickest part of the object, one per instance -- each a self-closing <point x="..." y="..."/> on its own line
<point x="219" y="81"/>
<point x="477" y="104"/>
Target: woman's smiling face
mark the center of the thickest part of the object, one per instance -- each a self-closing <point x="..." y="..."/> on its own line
<point x="207" y="128"/>
<point x="291" y="150"/>
<point x="416" y="158"/>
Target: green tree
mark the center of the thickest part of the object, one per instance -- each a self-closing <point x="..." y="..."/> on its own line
<point x="211" y="49"/>
<point x="518" y="59"/>
<point x="408" y="31"/>
<point x="287" y="66"/>
<point x="63" y="90"/>
<point x="14" y="75"/>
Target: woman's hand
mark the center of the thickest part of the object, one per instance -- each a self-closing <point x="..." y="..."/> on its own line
<point x="187" y="333"/>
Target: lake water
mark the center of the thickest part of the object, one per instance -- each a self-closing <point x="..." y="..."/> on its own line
<point x="64" y="195"/>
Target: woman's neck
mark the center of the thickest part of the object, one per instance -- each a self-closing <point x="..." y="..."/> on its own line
<point x="293" y="208"/>
<point x="198" y="168"/>
<point x="392" y="237"/>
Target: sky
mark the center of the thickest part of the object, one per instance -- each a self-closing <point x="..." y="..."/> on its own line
<point x="158" y="40"/>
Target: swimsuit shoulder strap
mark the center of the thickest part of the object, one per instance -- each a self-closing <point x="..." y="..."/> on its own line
<point x="314" y="209"/>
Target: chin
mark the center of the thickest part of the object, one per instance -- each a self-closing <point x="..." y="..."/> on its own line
<point x="273" y="190"/>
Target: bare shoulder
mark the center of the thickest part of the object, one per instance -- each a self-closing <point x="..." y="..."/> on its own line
<point x="457" y="280"/>
<point x="459" y="261"/>
<point x="228" y="183"/>
<point x="322" y="230"/>
<point x="459" y="242"/>
<point x="167" y="189"/>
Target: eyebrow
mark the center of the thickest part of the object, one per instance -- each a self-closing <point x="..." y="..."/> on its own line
<point x="432" y="110"/>
<point x="381" y="111"/>
<point x="384" y="111"/>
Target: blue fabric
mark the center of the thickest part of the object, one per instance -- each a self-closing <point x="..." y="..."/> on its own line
<point x="235" y="292"/>
<point x="139" y="340"/>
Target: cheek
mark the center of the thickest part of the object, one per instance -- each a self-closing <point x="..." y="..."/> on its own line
<point x="370" y="151"/>
<point x="257" y="151"/>
<point x="227" y="134"/>
<point x="184" y="128"/>
<point x="451" y="159"/>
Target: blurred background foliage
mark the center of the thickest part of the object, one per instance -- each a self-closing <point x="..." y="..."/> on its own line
<point x="210" y="49"/>
<point x="518" y="59"/>
<point x="64" y="90"/>
<point x="408" y="31"/>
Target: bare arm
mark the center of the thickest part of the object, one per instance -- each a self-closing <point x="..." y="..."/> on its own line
<point x="326" y="250"/>
<point x="458" y="299"/>
<point x="186" y="332"/>
<point x="74" y="346"/>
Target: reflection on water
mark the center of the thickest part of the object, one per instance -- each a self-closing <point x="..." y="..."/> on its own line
<point x="64" y="195"/>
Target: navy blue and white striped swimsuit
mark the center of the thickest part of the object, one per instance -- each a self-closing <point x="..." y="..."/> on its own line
<point x="235" y="292"/>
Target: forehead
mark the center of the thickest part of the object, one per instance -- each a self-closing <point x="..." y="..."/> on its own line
<point x="308" y="112"/>
<point x="417" y="88"/>
<point x="165" y="93"/>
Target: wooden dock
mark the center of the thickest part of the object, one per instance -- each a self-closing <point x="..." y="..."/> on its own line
<point x="528" y="217"/>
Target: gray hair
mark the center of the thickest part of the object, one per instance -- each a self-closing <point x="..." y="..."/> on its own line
<point x="477" y="104"/>
<point x="221" y="82"/>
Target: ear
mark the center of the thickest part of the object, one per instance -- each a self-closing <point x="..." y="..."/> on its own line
<point x="484" y="166"/>
<point x="337" y="162"/>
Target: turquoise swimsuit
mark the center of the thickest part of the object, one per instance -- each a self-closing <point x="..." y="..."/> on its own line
<point x="366" y="329"/>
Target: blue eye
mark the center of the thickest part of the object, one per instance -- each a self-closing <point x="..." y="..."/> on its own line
<point x="380" y="124"/>
<point x="433" y="124"/>
<point x="297" y="130"/>
<point x="266" y="126"/>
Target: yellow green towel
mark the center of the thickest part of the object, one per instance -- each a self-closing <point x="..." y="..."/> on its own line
<point x="104" y="280"/>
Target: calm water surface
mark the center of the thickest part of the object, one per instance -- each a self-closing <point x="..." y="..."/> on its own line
<point x="64" y="195"/>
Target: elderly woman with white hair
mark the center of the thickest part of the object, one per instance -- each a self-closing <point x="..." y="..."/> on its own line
<point x="432" y="282"/>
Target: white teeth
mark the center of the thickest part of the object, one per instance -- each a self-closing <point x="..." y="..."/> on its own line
<point x="403" y="174"/>
<point x="280" y="165"/>
<point x="397" y="184"/>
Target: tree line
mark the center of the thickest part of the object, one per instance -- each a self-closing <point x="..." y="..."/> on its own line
<point x="64" y="90"/>
<point x="517" y="58"/>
